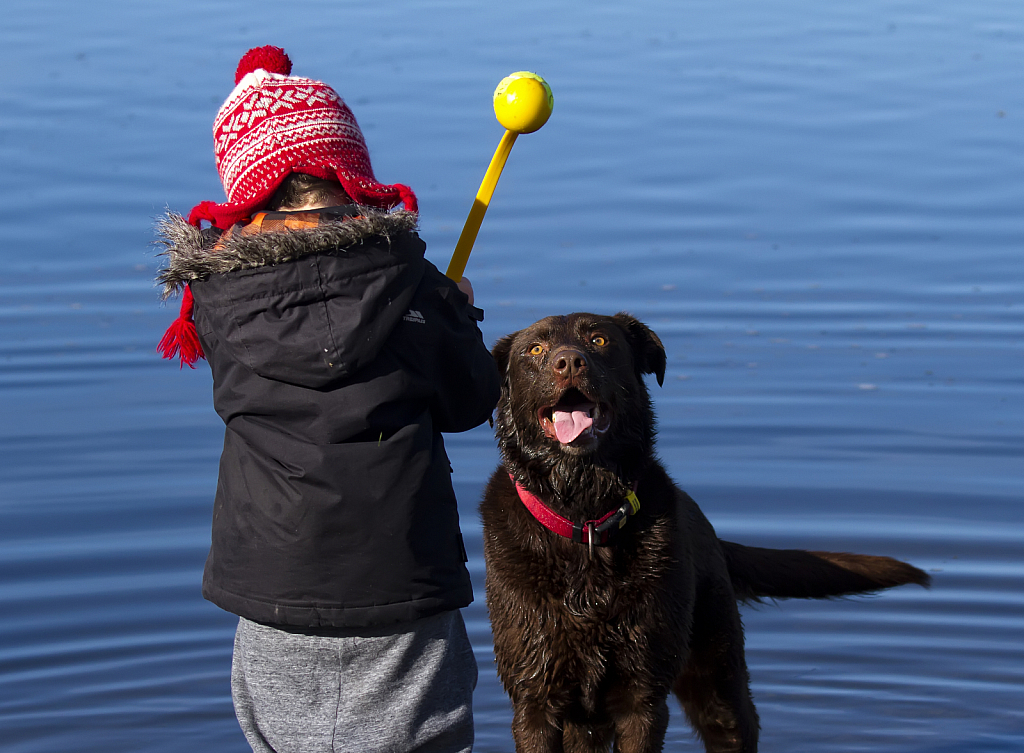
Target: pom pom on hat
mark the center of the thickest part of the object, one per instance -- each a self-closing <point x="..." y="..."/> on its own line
<point x="269" y="58"/>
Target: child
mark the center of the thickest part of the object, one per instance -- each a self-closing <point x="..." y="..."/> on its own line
<point x="338" y="355"/>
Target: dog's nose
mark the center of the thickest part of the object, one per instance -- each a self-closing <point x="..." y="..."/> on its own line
<point x="568" y="363"/>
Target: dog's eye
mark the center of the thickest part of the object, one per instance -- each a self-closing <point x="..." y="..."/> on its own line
<point x="536" y="350"/>
<point x="598" y="340"/>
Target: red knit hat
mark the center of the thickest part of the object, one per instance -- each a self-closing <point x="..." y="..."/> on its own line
<point x="274" y="124"/>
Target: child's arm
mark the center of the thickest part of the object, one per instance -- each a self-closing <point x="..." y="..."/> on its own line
<point x="465" y="376"/>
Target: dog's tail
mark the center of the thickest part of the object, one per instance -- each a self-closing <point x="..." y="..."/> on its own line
<point x="795" y="574"/>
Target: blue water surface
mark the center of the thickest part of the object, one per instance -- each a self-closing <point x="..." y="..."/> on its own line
<point x="819" y="207"/>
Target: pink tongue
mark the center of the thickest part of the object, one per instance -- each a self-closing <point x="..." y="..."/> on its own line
<point x="570" y="424"/>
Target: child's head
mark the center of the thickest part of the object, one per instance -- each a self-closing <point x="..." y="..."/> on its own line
<point x="273" y="125"/>
<point x="302" y="191"/>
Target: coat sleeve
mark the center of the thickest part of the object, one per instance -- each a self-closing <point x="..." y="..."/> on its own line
<point x="465" y="376"/>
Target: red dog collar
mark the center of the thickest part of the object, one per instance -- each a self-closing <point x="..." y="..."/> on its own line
<point x="590" y="532"/>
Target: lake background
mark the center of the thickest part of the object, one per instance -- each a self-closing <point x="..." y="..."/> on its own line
<point x="819" y="207"/>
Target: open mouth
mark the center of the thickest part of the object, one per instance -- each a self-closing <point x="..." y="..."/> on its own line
<point x="573" y="417"/>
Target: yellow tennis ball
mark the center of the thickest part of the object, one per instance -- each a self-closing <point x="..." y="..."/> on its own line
<point x="523" y="102"/>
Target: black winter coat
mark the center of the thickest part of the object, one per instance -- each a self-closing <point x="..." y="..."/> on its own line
<point x="338" y="354"/>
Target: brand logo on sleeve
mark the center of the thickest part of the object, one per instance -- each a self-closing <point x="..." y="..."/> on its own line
<point x="414" y="316"/>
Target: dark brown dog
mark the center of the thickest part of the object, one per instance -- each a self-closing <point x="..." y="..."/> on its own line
<point x="590" y="639"/>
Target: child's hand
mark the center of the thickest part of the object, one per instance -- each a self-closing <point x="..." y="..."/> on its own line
<point x="466" y="287"/>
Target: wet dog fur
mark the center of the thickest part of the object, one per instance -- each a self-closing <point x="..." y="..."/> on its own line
<point x="590" y="642"/>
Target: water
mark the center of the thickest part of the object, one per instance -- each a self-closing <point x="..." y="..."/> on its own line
<point x="818" y="208"/>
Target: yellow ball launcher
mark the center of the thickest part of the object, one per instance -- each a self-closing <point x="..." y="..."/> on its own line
<point x="522" y="104"/>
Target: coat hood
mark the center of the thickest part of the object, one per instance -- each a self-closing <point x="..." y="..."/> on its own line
<point x="305" y="305"/>
<point x="191" y="255"/>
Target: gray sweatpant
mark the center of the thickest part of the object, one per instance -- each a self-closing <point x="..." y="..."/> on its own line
<point x="406" y="687"/>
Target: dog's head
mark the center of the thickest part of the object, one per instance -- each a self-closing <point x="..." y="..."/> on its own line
<point x="573" y="393"/>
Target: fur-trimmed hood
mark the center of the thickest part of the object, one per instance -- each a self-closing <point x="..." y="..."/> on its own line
<point x="191" y="254"/>
<point x="306" y="298"/>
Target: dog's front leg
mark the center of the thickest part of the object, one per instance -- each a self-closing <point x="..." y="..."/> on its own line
<point x="534" y="731"/>
<point x="586" y="738"/>
<point x="642" y="730"/>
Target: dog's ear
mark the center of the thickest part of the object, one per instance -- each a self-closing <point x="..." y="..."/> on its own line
<point x="501" y="351"/>
<point x="648" y="352"/>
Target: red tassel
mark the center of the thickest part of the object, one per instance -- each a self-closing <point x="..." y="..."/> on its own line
<point x="181" y="338"/>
